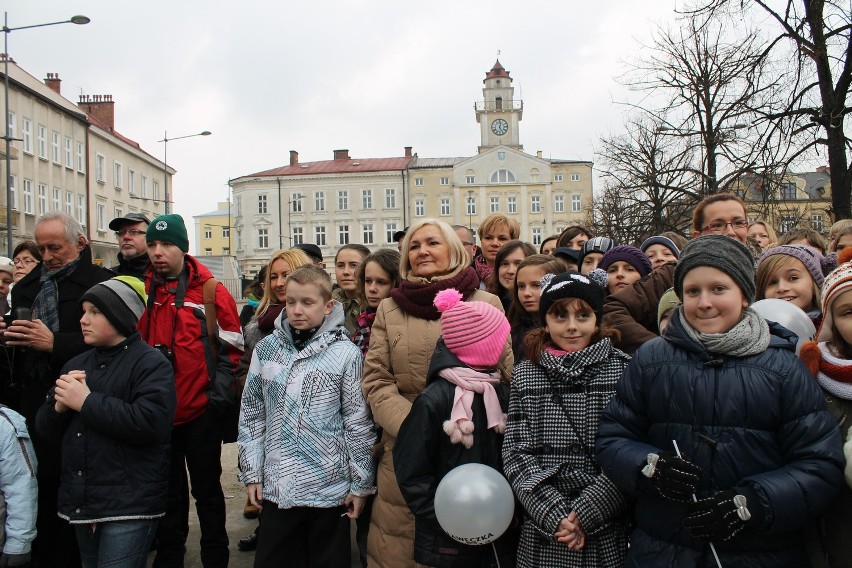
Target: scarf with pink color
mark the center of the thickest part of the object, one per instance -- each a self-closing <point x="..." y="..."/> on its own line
<point x="468" y="383"/>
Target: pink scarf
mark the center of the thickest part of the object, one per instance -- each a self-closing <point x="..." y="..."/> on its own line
<point x="468" y="383"/>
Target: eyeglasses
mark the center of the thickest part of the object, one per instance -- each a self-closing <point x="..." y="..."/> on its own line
<point x="719" y="226"/>
<point x="131" y="232"/>
<point x="26" y="261"/>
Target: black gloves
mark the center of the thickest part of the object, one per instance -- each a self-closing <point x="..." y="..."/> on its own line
<point x="674" y="478"/>
<point x="717" y="518"/>
<point x="10" y="560"/>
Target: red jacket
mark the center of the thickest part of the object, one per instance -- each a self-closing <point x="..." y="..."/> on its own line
<point x="183" y="331"/>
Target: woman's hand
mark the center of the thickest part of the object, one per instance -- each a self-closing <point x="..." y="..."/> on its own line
<point x="255" y="494"/>
<point x="354" y="505"/>
<point x="71" y="391"/>
<point x="33" y="334"/>
<point x="570" y="532"/>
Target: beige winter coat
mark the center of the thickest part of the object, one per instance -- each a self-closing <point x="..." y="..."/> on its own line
<point x="395" y="369"/>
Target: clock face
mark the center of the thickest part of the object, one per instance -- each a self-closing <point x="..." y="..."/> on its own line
<point x="499" y="127"/>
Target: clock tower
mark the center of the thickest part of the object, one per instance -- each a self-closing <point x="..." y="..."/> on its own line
<point x="499" y="113"/>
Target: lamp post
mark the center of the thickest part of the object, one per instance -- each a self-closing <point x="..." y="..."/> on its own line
<point x="165" y="142"/>
<point x="295" y="198"/>
<point x="78" y="20"/>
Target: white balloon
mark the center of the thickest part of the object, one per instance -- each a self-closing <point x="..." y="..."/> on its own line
<point x="474" y="504"/>
<point x="789" y="315"/>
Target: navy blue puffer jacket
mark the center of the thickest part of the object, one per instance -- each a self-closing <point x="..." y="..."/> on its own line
<point x="757" y="424"/>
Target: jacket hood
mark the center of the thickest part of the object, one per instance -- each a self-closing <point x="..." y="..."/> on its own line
<point x="442" y="358"/>
<point x="335" y="322"/>
<point x="198" y="273"/>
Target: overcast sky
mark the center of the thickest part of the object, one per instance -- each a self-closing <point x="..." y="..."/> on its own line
<point x="370" y="76"/>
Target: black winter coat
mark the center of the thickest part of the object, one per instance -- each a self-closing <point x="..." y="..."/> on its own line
<point x="755" y="424"/>
<point x="136" y="266"/>
<point x="423" y="455"/>
<point x="115" y="451"/>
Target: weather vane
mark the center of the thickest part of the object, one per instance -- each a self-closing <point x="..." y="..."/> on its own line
<point x="498" y="53"/>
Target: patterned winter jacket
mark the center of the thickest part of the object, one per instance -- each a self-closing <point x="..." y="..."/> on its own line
<point x="305" y="431"/>
<point x="551" y="468"/>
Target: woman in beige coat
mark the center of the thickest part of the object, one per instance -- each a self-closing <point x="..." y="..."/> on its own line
<point x="404" y="334"/>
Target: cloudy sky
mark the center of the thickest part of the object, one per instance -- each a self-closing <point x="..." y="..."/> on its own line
<point x="371" y="76"/>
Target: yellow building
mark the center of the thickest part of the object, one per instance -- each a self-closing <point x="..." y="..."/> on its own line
<point x="213" y="231"/>
<point x="793" y="200"/>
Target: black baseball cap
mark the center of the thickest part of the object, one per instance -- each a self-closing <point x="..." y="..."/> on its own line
<point x="568" y="254"/>
<point x="399" y="235"/>
<point x="116" y="223"/>
<point x="311" y="250"/>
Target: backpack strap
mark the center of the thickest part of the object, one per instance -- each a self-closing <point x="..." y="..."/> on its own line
<point x="209" y="299"/>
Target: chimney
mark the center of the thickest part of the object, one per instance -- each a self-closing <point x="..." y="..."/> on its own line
<point x="408" y="151"/>
<point x="101" y="107"/>
<point x="54" y="83"/>
<point x="538" y="153"/>
<point x="294" y="158"/>
<point x="341" y="154"/>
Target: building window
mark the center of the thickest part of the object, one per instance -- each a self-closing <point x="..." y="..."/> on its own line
<point x="536" y="235"/>
<point x="512" y="204"/>
<point x="788" y="191"/>
<point x="100" y="212"/>
<point x="319" y="236"/>
<point x="27" y="135"/>
<point x="12" y="123"/>
<point x="343" y="235"/>
<point x="69" y="203"/>
<point x="56" y="199"/>
<point x="445" y="206"/>
<point x="263" y="238"/>
<point x="298" y="235"/>
<point x="419" y="208"/>
<point x="13" y="189"/>
<point x="494" y="204"/>
<point x="261" y="204"/>
<point x="226" y="232"/>
<point x="576" y="204"/>
<point x="366" y="199"/>
<point x="81" y="209"/>
<point x="319" y="201"/>
<point x="131" y="182"/>
<point x="69" y="153"/>
<point x="42" y="141"/>
<point x="502" y="176"/>
<point x="471" y="205"/>
<point x="534" y="175"/>
<point x="118" y="213"/>
<point x="559" y="204"/>
<point x="145" y="186"/>
<point x="42" y="199"/>
<point x="470" y="179"/>
<point x="535" y="204"/>
<point x="208" y="233"/>
<point x="445" y="181"/>
<point x="816" y="223"/>
<point x="390" y="229"/>
<point x="28" y="196"/>
<point x="81" y="160"/>
<point x="117" y="175"/>
<point x="788" y="223"/>
<point x="208" y="251"/>
<point x="55" y="147"/>
<point x="575" y="177"/>
<point x="296" y="201"/>
<point x="155" y="185"/>
<point x="558" y="177"/>
<point x="418" y="182"/>
<point x="368" y="233"/>
<point x="343" y="200"/>
<point x="390" y="198"/>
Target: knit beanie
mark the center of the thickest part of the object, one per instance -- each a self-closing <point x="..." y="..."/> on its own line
<point x="475" y="332"/>
<point x="169" y="228"/>
<point x="808" y="256"/>
<point x="596" y="244"/>
<point x="121" y="300"/>
<point x="839" y="281"/>
<point x="668" y="301"/>
<point x="721" y="252"/>
<point x="631" y="255"/>
<point x="6" y="265"/>
<point x="571" y="285"/>
<point x="660" y="240"/>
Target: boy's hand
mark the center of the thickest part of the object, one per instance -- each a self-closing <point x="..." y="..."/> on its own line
<point x="255" y="494"/>
<point x="354" y="505"/>
<point x="71" y="390"/>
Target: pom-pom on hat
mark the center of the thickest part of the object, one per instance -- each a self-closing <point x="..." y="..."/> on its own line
<point x="631" y="255"/>
<point x="475" y="332"/>
<point x="839" y="281"/>
<point x="169" y="228"/>
<point x="722" y="253"/>
<point x="121" y="300"/>
<point x="660" y="240"/>
<point x="808" y="256"/>
<point x="572" y="285"/>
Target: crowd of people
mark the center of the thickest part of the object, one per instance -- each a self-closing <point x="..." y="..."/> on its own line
<point x="643" y="413"/>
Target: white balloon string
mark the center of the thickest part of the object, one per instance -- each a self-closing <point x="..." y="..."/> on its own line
<point x="496" y="557"/>
<point x="695" y="500"/>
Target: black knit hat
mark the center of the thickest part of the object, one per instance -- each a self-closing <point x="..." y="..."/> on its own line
<point x="721" y="252"/>
<point x="571" y="285"/>
<point x="121" y="300"/>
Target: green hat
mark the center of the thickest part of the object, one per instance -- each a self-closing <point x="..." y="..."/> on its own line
<point x="668" y="301"/>
<point x="169" y="228"/>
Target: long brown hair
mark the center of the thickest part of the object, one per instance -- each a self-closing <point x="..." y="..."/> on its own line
<point x="538" y="339"/>
<point x="547" y="263"/>
<point x="493" y="285"/>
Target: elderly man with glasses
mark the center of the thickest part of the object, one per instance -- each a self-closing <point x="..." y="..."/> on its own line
<point x="133" y="254"/>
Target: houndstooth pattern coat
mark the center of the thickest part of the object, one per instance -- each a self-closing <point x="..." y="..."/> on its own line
<point x="549" y="457"/>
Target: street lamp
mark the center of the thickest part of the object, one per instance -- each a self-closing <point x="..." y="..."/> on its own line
<point x="165" y="142"/>
<point x="78" y="20"/>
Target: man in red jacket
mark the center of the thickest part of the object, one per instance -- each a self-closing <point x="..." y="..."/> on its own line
<point x="175" y="323"/>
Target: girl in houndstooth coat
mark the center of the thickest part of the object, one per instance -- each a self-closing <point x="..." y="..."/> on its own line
<point x="575" y="516"/>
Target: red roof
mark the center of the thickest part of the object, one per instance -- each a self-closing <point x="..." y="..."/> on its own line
<point x="497" y="71"/>
<point x="349" y="165"/>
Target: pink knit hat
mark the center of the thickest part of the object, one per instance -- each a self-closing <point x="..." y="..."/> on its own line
<point x="475" y="332"/>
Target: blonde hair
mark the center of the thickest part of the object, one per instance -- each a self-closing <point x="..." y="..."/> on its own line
<point x="770" y="232"/>
<point x="458" y="255"/>
<point x="770" y="266"/>
<point x="495" y="219"/>
<point x="296" y="258"/>
<point x="312" y="274"/>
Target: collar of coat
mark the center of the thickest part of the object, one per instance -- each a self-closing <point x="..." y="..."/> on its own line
<point x="572" y="366"/>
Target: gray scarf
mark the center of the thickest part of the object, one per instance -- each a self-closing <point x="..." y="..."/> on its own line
<point x="749" y="337"/>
